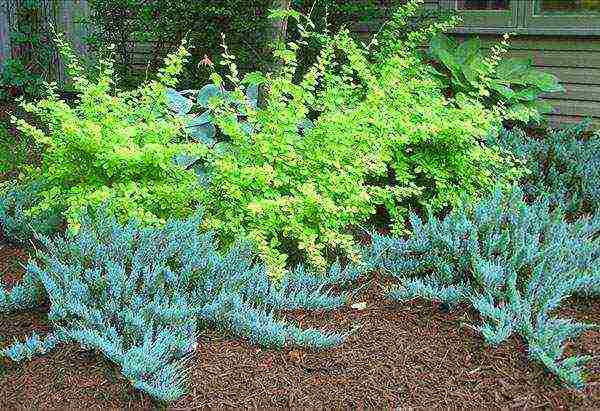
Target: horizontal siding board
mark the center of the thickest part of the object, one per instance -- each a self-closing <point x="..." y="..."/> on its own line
<point x="556" y="120"/>
<point x="577" y="92"/>
<point x="575" y="108"/>
<point x="544" y="58"/>
<point x="570" y="75"/>
<point x="545" y="43"/>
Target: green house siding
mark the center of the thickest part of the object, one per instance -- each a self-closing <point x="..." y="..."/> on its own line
<point x="565" y="45"/>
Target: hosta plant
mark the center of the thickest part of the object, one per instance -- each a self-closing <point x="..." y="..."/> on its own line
<point x="512" y="82"/>
<point x="142" y="297"/>
<point x="199" y="123"/>
<point x="513" y="263"/>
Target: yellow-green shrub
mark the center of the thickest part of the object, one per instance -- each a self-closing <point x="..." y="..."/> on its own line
<point x="112" y="149"/>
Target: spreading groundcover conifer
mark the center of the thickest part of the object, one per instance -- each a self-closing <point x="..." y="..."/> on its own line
<point x="514" y="263"/>
<point x="292" y="176"/>
<point x="564" y="165"/>
<point x="142" y="296"/>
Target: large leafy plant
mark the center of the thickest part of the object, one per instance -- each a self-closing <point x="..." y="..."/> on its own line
<point x="513" y="263"/>
<point x="513" y="82"/>
<point x="26" y="71"/>
<point x="321" y="154"/>
<point x="112" y="149"/>
<point x="195" y="108"/>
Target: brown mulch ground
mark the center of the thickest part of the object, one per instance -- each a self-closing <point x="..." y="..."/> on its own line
<point x="403" y="355"/>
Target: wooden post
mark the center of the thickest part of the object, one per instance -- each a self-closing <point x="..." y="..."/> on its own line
<point x="65" y="16"/>
<point x="4" y="32"/>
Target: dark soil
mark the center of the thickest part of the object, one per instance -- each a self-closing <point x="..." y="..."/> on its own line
<point x="12" y="260"/>
<point x="402" y="355"/>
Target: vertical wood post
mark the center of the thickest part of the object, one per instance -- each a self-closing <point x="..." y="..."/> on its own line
<point x="65" y="16"/>
<point x="4" y="32"/>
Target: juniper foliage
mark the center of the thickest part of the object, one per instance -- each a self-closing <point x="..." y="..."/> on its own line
<point x="32" y="346"/>
<point x="141" y="296"/>
<point x="16" y="225"/>
<point x="514" y="263"/>
<point x="28" y="293"/>
<point x="564" y="165"/>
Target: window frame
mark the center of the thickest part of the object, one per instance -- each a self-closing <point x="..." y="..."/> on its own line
<point x="522" y="19"/>
<point x="481" y="21"/>
<point x="559" y="23"/>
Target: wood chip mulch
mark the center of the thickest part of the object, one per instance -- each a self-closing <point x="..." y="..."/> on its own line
<point x="410" y="355"/>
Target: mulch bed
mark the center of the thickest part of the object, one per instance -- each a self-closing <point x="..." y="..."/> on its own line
<point x="402" y="355"/>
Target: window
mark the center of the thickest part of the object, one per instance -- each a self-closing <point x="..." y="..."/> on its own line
<point x="539" y="17"/>
<point x="573" y="6"/>
<point x="577" y="17"/>
<point x="478" y="15"/>
<point x="483" y="5"/>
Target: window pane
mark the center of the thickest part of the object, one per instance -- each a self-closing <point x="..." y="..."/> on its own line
<point x="483" y="4"/>
<point x="571" y="6"/>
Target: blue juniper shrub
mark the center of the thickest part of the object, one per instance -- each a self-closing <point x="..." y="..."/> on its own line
<point x="16" y="224"/>
<point x="564" y="165"/>
<point x="514" y="263"/>
<point x="28" y="293"/>
<point x="139" y="289"/>
<point x="141" y="296"/>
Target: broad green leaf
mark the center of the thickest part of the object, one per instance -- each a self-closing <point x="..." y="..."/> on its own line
<point x="252" y="95"/>
<point x="305" y="125"/>
<point x="442" y="49"/>
<point x="543" y="106"/>
<point x="202" y="129"/>
<point x="203" y="118"/>
<point x="468" y="51"/>
<point x="442" y="43"/>
<point x="505" y="92"/>
<point x="185" y="160"/>
<point x="208" y="92"/>
<point x="471" y="72"/>
<point x="512" y="70"/>
<point x="221" y="147"/>
<point x="246" y="127"/>
<point x="203" y="133"/>
<point x="177" y="102"/>
<point x="528" y="94"/>
<point x="546" y="82"/>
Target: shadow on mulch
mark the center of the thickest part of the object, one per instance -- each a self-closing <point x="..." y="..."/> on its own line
<point x="402" y="355"/>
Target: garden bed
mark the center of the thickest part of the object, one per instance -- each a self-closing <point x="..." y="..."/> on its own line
<point x="413" y="354"/>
